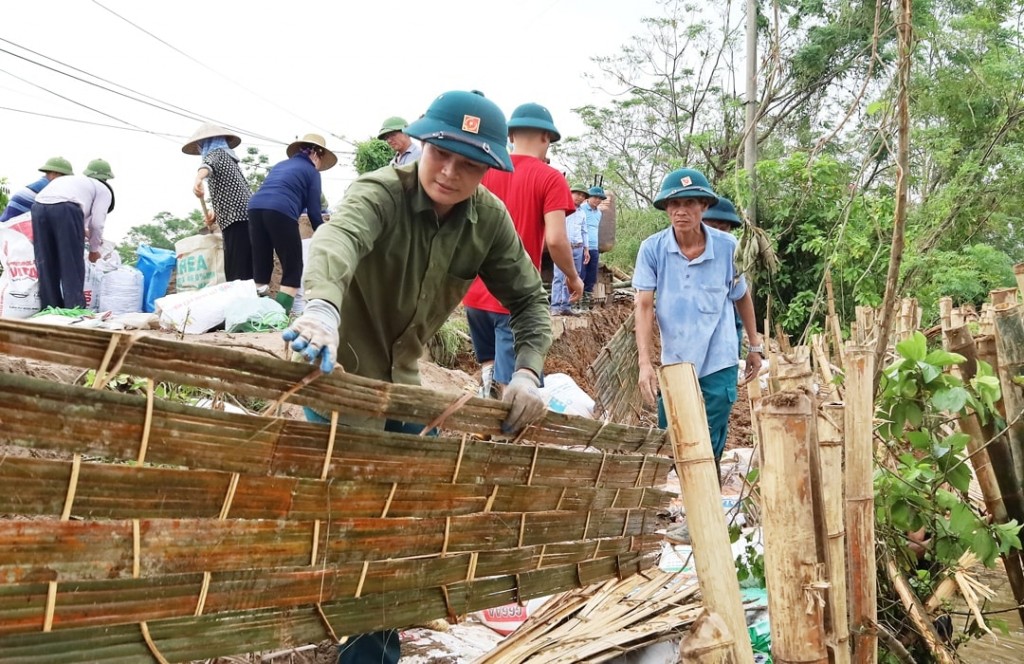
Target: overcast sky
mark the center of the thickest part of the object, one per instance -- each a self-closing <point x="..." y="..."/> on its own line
<point x="276" y="70"/>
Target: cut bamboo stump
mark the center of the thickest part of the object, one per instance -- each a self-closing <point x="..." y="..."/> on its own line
<point x="698" y="480"/>
<point x="830" y="458"/>
<point x="708" y="641"/>
<point x="794" y="369"/>
<point x="918" y="616"/>
<point x="860" y="502"/>
<point x="792" y="569"/>
<point x="1010" y="347"/>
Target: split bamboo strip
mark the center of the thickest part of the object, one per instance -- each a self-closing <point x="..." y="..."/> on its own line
<point x="107" y="424"/>
<point x="82" y="550"/>
<point x="860" y="501"/>
<point x="1018" y="273"/>
<point x="791" y="564"/>
<point x="833" y="322"/>
<point x="212" y="635"/>
<point x="819" y="350"/>
<point x="116" y="491"/>
<point x="867" y="331"/>
<point x="615" y="375"/>
<point x="1010" y="346"/>
<point x="922" y="623"/>
<point x="698" y="479"/>
<point x="117" y="601"/>
<point x="830" y="422"/>
<point x="598" y="623"/>
<point x="236" y="372"/>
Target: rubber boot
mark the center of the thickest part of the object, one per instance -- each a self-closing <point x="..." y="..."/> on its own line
<point x="286" y="301"/>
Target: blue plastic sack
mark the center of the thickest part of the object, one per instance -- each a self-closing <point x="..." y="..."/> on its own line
<point x="156" y="266"/>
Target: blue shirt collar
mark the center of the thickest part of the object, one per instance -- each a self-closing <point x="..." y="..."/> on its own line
<point x="709" y="251"/>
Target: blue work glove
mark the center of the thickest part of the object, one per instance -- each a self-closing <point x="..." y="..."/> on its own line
<point x="314" y="334"/>
<point x="526" y="405"/>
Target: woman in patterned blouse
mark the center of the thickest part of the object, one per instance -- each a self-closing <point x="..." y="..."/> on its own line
<point x="229" y="195"/>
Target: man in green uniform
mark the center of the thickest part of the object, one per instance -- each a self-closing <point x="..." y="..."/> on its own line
<point x="396" y="259"/>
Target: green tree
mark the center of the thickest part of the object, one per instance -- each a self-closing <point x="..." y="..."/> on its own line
<point x="5" y="193"/>
<point x="372" y="154"/>
<point x="255" y="166"/>
<point x="163" y="232"/>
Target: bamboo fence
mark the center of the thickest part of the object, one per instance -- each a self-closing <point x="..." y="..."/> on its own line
<point x="170" y="532"/>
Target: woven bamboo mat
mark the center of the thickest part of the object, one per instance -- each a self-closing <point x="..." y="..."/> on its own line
<point x="169" y="532"/>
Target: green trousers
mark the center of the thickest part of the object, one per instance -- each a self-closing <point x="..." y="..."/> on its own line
<point x="719" y="390"/>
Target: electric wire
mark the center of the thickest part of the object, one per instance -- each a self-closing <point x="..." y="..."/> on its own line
<point x="208" y="67"/>
<point x="88" y="122"/>
<point x="160" y="104"/>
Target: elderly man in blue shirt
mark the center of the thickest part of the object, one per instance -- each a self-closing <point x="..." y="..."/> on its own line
<point x="690" y="267"/>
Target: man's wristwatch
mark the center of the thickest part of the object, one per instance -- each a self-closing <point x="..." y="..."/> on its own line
<point x="759" y="349"/>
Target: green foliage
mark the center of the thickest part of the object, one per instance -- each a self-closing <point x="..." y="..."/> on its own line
<point x="255" y="167"/>
<point x="632" y="227"/>
<point x="450" y="342"/>
<point x="5" y="193"/>
<point x="925" y="485"/>
<point x="163" y="232"/>
<point x="372" y="154"/>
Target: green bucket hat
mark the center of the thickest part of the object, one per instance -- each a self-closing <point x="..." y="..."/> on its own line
<point x="580" y="188"/>
<point x="725" y="211"/>
<point x="684" y="183"/>
<point x="57" y="165"/>
<point x="99" y="169"/>
<point x="533" y="116"/>
<point x="393" y="123"/>
<point x="466" y="124"/>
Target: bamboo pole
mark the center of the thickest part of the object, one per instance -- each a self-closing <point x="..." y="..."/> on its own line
<point x="1018" y="272"/>
<point x="866" y="330"/>
<point x="792" y="568"/>
<point x="1010" y="347"/>
<point x="833" y="321"/>
<point x="794" y="369"/>
<point x="830" y="457"/>
<point x="945" y="312"/>
<point x="708" y="641"/>
<point x="698" y="479"/>
<point x="860" y="501"/>
<point x="922" y="623"/>
<point x="1003" y="296"/>
<point x="992" y="477"/>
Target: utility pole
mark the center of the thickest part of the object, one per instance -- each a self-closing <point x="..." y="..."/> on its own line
<point x="750" y="132"/>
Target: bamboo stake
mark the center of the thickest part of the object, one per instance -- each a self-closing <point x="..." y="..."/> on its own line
<point x="1010" y="347"/>
<point x="794" y="369"/>
<point x="945" y="312"/>
<point x="992" y="477"/>
<point x="708" y="641"/>
<point x="833" y="321"/>
<point x="860" y="501"/>
<point x="866" y="330"/>
<point x="1003" y="297"/>
<point x="830" y="443"/>
<point x="698" y="479"/>
<point x="917" y="614"/>
<point x="792" y="567"/>
<point x="1018" y="272"/>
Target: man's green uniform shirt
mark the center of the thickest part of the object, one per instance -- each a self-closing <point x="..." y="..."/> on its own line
<point x="396" y="272"/>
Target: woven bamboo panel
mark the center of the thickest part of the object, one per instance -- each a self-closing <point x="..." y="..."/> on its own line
<point x="176" y="532"/>
<point x="615" y="373"/>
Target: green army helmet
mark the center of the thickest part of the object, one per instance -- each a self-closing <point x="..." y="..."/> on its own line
<point x="57" y="165"/>
<point x="533" y="116"/>
<point x="725" y="211"/>
<point x="580" y="189"/>
<point x="394" y="123"/>
<point x="685" y="183"/>
<point x="99" y="169"/>
<point x="597" y="191"/>
<point x="468" y="125"/>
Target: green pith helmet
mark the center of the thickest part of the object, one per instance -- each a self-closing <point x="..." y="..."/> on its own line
<point x="597" y="191"/>
<point x="579" y="188"/>
<point x="533" y="116"/>
<point x="98" y="169"/>
<point x="394" y="123"/>
<point x="685" y="183"/>
<point x="466" y="124"/>
<point x="57" y="165"/>
<point x="725" y="211"/>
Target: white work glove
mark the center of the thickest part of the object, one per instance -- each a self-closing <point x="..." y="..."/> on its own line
<point x="315" y="333"/>
<point x="526" y="405"/>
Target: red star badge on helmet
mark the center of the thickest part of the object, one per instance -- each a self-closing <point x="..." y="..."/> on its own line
<point x="687" y="181"/>
<point x="471" y="123"/>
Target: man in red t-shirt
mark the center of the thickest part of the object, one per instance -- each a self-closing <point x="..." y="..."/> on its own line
<point x="538" y="198"/>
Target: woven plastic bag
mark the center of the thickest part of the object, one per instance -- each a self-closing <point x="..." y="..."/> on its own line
<point x="254" y="314"/>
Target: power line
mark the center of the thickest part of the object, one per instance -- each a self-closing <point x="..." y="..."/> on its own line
<point x="88" y="122"/>
<point x="208" y="67"/>
<point x="160" y="104"/>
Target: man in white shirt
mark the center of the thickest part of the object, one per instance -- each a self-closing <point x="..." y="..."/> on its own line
<point x="69" y="210"/>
